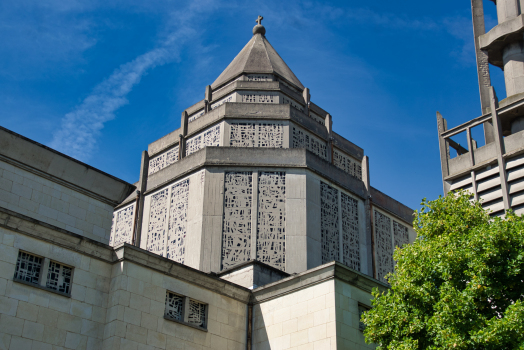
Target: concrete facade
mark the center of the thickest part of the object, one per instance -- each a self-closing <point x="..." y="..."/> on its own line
<point x="493" y="172"/>
<point x="252" y="226"/>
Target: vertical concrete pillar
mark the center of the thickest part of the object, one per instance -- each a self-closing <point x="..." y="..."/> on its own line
<point x="513" y="59"/>
<point x="444" y="149"/>
<point x="368" y="210"/>
<point x="142" y="187"/>
<point x="182" y="136"/>
<point x="499" y="145"/>
<point x="307" y="98"/>
<point x="507" y="9"/>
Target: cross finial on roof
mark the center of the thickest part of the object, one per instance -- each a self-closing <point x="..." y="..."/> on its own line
<point x="259" y="20"/>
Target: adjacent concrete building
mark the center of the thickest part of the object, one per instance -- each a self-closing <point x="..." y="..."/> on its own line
<point x="252" y="226"/>
<point x="493" y="173"/>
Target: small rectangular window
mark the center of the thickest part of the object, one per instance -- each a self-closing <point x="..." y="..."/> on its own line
<point x="197" y="313"/>
<point x="28" y="268"/>
<point x="361" y="310"/>
<point x="174" y="306"/>
<point x="59" y="277"/>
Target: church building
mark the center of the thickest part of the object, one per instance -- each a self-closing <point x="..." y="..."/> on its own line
<point x="252" y="226"/>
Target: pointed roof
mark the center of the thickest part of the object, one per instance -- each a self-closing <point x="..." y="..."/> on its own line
<point x="259" y="57"/>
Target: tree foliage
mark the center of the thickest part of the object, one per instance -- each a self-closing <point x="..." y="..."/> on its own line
<point x="460" y="285"/>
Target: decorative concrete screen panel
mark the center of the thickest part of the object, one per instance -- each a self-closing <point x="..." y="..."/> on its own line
<point x="219" y="103"/>
<point x="236" y="235"/>
<point x="210" y="137"/>
<point x="329" y="229"/>
<point x="271" y="235"/>
<point x="260" y="77"/>
<point x="59" y="277"/>
<point x="177" y="229"/>
<point x="174" y="306"/>
<point x="259" y="97"/>
<point x="160" y="162"/>
<point x="156" y="232"/>
<point x="197" y="313"/>
<point x="303" y="139"/>
<point x="267" y="135"/>
<point x="400" y="234"/>
<point x="293" y="103"/>
<point x="28" y="268"/>
<point x="122" y="231"/>
<point x="350" y="233"/>
<point x="347" y="164"/>
<point x="196" y="115"/>
<point x="384" y="246"/>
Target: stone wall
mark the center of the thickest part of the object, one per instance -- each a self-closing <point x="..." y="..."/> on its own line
<point x="32" y="318"/>
<point x="53" y="203"/>
<point x="135" y="316"/>
<point x="304" y="319"/>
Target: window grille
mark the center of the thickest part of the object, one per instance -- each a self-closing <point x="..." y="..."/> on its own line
<point x="361" y="310"/>
<point x="59" y="277"/>
<point x="197" y="313"/>
<point x="28" y="268"/>
<point x="174" y="306"/>
<point x="183" y="309"/>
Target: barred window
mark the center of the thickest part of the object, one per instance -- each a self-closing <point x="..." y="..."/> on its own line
<point x="28" y="268"/>
<point x="183" y="309"/>
<point x="197" y="313"/>
<point x="59" y="277"/>
<point x="174" y="306"/>
<point x="361" y="310"/>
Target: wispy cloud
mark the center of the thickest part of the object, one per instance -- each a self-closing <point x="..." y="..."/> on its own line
<point x="81" y="128"/>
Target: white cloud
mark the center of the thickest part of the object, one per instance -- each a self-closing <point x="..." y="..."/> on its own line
<point x="80" y="128"/>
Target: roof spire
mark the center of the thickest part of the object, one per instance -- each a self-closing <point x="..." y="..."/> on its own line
<point x="259" y="28"/>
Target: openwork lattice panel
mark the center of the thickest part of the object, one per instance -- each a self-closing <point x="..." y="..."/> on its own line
<point x="259" y="77"/>
<point x="156" y="233"/>
<point x="270" y="135"/>
<point x="302" y="139"/>
<point x="177" y="228"/>
<point x="197" y="313"/>
<point x="28" y="267"/>
<point x="267" y="135"/>
<point x="400" y="234"/>
<point x="59" y="277"/>
<point x="347" y="164"/>
<point x="123" y="222"/>
<point x="160" y="162"/>
<point x="174" y="306"/>
<point x="236" y="234"/>
<point x="222" y="101"/>
<point x="293" y="104"/>
<point x="350" y="232"/>
<point x="242" y="135"/>
<point x="317" y="118"/>
<point x="329" y="229"/>
<point x="196" y="116"/>
<point x="383" y="244"/>
<point x="156" y="164"/>
<point x="271" y="235"/>
<point x="193" y="144"/>
<point x="210" y="137"/>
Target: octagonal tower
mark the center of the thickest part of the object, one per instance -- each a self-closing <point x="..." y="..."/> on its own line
<point x="256" y="173"/>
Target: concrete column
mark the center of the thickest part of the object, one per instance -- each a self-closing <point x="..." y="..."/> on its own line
<point x="477" y="11"/>
<point x="142" y="186"/>
<point x="513" y="59"/>
<point x="499" y="143"/>
<point x="307" y="99"/>
<point x="507" y="9"/>
<point x="444" y="148"/>
<point x="368" y="217"/>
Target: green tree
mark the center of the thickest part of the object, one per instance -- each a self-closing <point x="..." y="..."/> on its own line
<point x="460" y="285"/>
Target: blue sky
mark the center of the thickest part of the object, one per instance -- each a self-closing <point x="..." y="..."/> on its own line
<point x="99" y="80"/>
